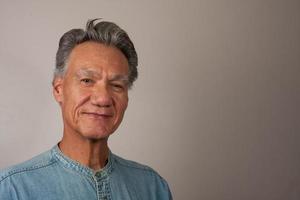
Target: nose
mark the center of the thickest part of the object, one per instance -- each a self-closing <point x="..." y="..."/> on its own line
<point x="101" y="97"/>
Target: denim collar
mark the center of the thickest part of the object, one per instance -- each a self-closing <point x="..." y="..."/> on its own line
<point x="78" y="167"/>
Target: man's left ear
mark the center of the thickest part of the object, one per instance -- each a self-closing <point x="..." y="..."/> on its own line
<point x="57" y="89"/>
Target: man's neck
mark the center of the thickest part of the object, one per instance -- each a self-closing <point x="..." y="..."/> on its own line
<point x="93" y="154"/>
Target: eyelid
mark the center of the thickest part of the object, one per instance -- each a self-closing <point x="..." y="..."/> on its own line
<point x="119" y="83"/>
<point x="85" y="79"/>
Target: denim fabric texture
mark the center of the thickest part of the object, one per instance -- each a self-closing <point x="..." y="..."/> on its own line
<point x="54" y="176"/>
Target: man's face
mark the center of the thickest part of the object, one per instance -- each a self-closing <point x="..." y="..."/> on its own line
<point x="93" y="94"/>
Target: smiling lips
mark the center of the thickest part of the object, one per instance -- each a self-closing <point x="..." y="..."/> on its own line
<point x="98" y="114"/>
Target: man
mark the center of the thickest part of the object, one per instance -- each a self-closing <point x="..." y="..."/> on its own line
<point x="94" y="70"/>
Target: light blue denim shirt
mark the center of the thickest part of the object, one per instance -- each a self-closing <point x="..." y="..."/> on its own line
<point x="53" y="176"/>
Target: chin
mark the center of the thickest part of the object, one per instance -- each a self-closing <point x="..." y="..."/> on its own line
<point x="98" y="135"/>
<point x="96" y="139"/>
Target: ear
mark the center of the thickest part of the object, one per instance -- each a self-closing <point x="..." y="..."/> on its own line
<point x="57" y="89"/>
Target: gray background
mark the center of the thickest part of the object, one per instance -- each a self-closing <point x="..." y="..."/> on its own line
<point x="216" y="107"/>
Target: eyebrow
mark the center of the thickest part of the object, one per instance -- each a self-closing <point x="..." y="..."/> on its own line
<point x="88" y="72"/>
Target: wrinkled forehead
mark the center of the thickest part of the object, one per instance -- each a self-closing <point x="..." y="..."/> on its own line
<point x="94" y="59"/>
<point x="90" y="49"/>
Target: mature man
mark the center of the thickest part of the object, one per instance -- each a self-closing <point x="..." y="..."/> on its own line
<point x="94" y="70"/>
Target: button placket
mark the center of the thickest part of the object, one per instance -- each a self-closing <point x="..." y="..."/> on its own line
<point x="102" y="186"/>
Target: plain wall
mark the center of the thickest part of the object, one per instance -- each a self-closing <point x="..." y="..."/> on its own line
<point x="215" y="109"/>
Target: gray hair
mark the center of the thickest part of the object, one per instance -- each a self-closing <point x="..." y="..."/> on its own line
<point x="107" y="33"/>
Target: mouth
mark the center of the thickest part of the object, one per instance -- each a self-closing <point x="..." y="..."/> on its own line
<point x="98" y="115"/>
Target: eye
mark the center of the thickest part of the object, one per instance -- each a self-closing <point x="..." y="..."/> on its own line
<point x="118" y="87"/>
<point x="86" y="81"/>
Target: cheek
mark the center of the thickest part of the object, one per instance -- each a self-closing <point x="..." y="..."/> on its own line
<point x="75" y="98"/>
<point x="123" y="103"/>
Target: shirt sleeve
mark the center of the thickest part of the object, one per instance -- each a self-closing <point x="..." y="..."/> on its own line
<point x="163" y="190"/>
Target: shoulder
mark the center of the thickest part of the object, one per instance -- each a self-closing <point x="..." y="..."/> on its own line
<point x="137" y="169"/>
<point x="132" y="165"/>
<point x="40" y="161"/>
<point x="145" y="179"/>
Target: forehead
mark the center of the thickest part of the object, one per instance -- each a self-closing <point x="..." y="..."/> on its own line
<point x="97" y="57"/>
